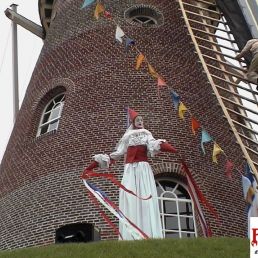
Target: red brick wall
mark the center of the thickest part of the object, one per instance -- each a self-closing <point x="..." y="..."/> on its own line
<point x="40" y="189"/>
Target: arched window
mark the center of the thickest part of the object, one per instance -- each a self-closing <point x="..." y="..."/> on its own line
<point x="176" y="209"/>
<point x="51" y="115"/>
<point x="144" y="15"/>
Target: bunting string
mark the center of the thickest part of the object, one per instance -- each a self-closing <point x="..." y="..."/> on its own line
<point x="179" y="105"/>
<point x="176" y="99"/>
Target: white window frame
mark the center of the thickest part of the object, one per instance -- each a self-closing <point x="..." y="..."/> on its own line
<point x="56" y="119"/>
<point x="149" y="18"/>
<point x="177" y="200"/>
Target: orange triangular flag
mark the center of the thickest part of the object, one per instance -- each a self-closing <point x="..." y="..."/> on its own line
<point x="182" y="110"/>
<point x="216" y="151"/>
<point x="195" y="125"/>
<point x="98" y="10"/>
<point x="152" y="72"/>
<point x="139" y="61"/>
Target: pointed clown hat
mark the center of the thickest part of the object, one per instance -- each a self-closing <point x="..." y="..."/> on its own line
<point x="132" y="114"/>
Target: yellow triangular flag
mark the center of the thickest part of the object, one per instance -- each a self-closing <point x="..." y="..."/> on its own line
<point x="216" y="151"/>
<point x="182" y="110"/>
<point x="98" y="10"/>
<point x="152" y="72"/>
<point x="139" y="61"/>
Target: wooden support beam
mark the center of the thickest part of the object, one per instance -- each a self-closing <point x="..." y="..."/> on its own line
<point x="225" y="63"/>
<point x="204" y="2"/>
<point x="202" y="8"/>
<point x="213" y="35"/>
<point x="239" y="105"/>
<point x="205" y="17"/>
<point x="242" y="116"/>
<point x="207" y="25"/>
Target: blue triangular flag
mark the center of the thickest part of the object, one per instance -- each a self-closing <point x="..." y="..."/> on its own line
<point x="175" y="98"/>
<point x="129" y="42"/>
<point x="86" y="3"/>
<point x="249" y="173"/>
<point x="246" y="183"/>
<point x="205" y="138"/>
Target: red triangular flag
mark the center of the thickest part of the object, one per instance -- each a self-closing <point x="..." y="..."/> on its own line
<point x="195" y="125"/>
<point x="161" y="82"/>
<point x="107" y="15"/>
<point x="229" y="168"/>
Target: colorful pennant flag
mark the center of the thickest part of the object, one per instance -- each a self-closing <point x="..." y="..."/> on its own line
<point x="195" y="125"/>
<point x="107" y="14"/>
<point x="87" y="3"/>
<point x="161" y="82"/>
<point x="129" y="42"/>
<point x="249" y="173"/>
<point x="182" y="110"/>
<point x="247" y="189"/>
<point x="139" y="61"/>
<point x="152" y="72"/>
<point x="119" y="34"/>
<point x="205" y="138"/>
<point x="216" y="151"/>
<point x="98" y="10"/>
<point x="175" y="99"/>
<point x="229" y="168"/>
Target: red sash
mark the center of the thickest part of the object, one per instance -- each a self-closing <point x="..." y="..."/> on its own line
<point x="136" y="154"/>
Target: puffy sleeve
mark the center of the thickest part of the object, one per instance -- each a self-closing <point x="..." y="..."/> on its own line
<point x="120" y="150"/>
<point x="102" y="159"/>
<point x="153" y="145"/>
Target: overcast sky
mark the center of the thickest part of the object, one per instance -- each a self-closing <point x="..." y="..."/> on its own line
<point x="29" y="47"/>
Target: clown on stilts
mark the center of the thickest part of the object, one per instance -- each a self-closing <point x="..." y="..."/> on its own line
<point x="138" y="201"/>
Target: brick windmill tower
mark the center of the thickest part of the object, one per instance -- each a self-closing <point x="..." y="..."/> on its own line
<point x="74" y="108"/>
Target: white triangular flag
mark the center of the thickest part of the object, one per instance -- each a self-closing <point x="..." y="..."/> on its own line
<point x="119" y="34"/>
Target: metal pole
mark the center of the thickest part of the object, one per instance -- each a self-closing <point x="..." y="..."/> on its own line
<point x="15" y="67"/>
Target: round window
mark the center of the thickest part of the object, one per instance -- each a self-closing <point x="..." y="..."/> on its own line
<point x="144" y="16"/>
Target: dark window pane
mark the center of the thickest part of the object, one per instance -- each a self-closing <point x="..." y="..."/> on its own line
<point x="44" y="129"/>
<point x="50" y="106"/>
<point x="187" y="224"/>
<point x="185" y="208"/>
<point x="151" y="22"/>
<point x="171" y="223"/>
<point x="159" y="190"/>
<point x="170" y="207"/>
<point x="46" y="118"/>
<point x="59" y="98"/>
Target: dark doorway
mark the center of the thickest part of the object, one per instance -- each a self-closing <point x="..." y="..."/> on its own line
<point x="79" y="232"/>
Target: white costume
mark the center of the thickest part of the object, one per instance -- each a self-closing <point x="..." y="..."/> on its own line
<point x="138" y="177"/>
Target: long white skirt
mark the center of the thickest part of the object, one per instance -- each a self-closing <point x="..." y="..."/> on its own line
<point x="138" y="177"/>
